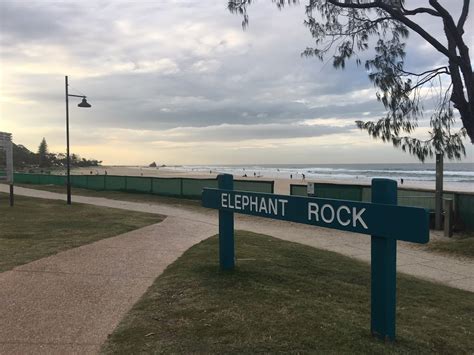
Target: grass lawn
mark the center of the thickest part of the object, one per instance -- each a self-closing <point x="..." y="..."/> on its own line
<point x="119" y="195"/>
<point x="461" y="246"/>
<point x="284" y="297"/>
<point x="35" y="228"/>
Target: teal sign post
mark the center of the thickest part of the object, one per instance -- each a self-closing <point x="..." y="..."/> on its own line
<point x="382" y="219"/>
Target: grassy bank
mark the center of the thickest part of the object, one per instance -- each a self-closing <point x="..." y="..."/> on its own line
<point x="285" y="298"/>
<point x="35" y="228"/>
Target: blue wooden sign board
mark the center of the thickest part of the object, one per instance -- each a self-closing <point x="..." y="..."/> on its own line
<point x="382" y="219"/>
<point x="389" y="221"/>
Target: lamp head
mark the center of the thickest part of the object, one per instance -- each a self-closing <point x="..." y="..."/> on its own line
<point x="84" y="103"/>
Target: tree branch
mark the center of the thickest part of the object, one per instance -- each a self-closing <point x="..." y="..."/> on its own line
<point x="419" y="11"/>
<point x="418" y="29"/>
<point x="351" y="5"/>
<point x="463" y="17"/>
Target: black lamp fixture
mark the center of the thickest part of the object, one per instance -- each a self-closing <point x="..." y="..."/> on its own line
<point x="84" y="104"/>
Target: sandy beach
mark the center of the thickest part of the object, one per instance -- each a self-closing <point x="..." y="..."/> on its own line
<point x="282" y="186"/>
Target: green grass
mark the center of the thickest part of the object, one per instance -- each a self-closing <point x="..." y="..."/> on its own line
<point x="285" y="298"/>
<point x="462" y="246"/>
<point x="35" y="228"/>
<point x="119" y="195"/>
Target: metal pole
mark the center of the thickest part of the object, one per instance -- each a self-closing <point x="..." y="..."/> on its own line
<point x="68" y="162"/>
<point x="439" y="192"/>
<point x="12" y="198"/>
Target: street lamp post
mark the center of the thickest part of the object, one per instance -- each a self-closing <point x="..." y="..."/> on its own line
<point x="83" y="103"/>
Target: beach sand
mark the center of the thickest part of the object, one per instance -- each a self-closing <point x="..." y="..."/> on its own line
<point x="282" y="186"/>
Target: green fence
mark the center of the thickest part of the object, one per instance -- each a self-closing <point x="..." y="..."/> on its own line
<point x="464" y="205"/>
<point x="463" y="202"/>
<point x="178" y="187"/>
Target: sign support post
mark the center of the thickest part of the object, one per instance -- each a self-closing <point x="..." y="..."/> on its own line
<point x="226" y="227"/>
<point x="383" y="269"/>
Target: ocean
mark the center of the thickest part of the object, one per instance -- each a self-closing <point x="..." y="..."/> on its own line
<point x="457" y="176"/>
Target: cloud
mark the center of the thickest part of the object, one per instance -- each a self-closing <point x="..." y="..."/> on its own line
<point x="180" y="72"/>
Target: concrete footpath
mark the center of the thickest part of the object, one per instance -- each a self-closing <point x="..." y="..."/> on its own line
<point x="71" y="301"/>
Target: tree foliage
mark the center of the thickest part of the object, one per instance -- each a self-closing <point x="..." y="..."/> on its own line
<point x="43" y="154"/>
<point x="24" y="158"/>
<point x="344" y="29"/>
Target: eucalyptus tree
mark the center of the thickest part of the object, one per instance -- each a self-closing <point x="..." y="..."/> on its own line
<point x="346" y="28"/>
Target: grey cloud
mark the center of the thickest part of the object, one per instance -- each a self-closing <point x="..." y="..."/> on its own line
<point x="258" y="80"/>
<point x="235" y="133"/>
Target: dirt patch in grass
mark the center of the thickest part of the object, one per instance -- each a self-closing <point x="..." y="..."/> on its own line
<point x="285" y="297"/>
<point x="35" y="228"/>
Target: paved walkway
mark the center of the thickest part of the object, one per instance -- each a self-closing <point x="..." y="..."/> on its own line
<point x="71" y="301"/>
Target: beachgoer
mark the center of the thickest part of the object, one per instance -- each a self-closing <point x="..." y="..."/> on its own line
<point x="254" y="174"/>
<point x="401" y="181"/>
<point x="291" y="176"/>
<point x="105" y="172"/>
<point x="304" y="177"/>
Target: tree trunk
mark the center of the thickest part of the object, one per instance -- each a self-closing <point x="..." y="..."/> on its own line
<point x="439" y="192"/>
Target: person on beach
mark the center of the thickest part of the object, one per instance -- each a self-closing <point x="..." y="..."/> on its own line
<point x="291" y="176"/>
<point x="304" y="177"/>
<point x="401" y="181"/>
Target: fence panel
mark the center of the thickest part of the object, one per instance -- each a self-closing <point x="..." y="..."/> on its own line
<point x="79" y="181"/>
<point x="96" y="182"/>
<point x="138" y="183"/>
<point x="167" y="186"/>
<point x="340" y="192"/>
<point x="115" y="183"/>
<point x="254" y="186"/>
<point x="192" y="188"/>
<point x="366" y="193"/>
<point x="298" y="190"/>
<point x="26" y="178"/>
<point x="465" y="210"/>
<point x="59" y="180"/>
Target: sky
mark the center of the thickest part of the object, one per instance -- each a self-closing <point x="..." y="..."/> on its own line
<point x="180" y="82"/>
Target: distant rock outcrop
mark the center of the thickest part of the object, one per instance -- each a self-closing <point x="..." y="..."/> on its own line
<point x="152" y="165"/>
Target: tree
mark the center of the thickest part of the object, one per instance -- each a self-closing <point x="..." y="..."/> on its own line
<point x="346" y="28"/>
<point x="44" y="160"/>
